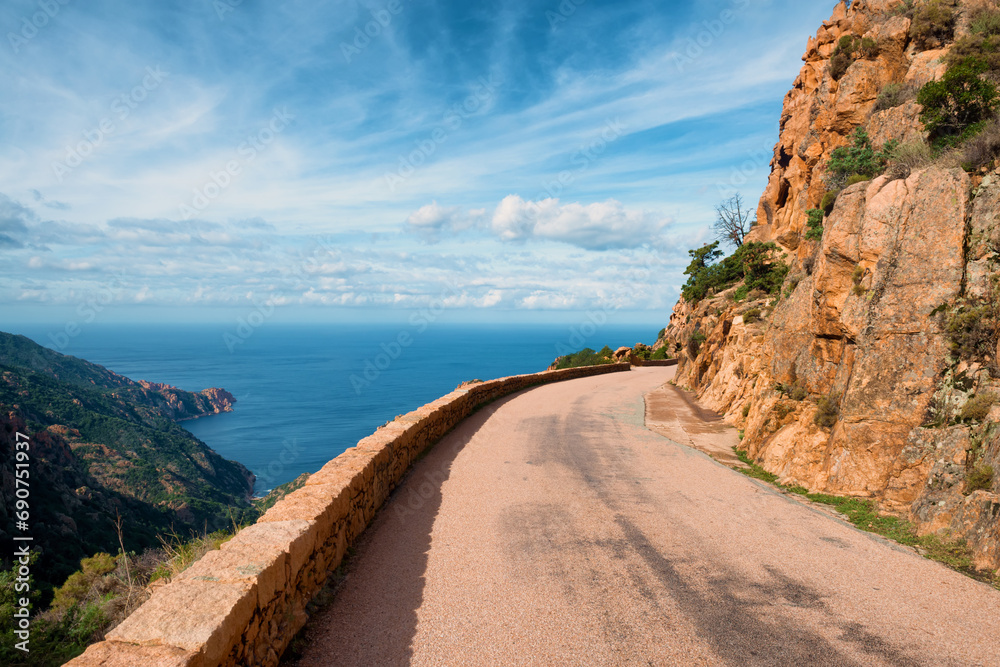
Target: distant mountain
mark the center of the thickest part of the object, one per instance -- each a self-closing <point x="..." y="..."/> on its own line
<point x="103" y="446"/>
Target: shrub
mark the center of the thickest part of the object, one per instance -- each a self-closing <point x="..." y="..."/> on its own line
<point x="829" y="199"/>
<point x="751" y="316"/>
<point x="763" y="272"/>
<point x="980" y="479"/>
<point x="904" y="8"/>
<point x="933" y="24"/>
<point x="746" y="410"/>
<point x="794" y="391"/>
<point x="977" y="407"/>
<point x="858" y="159"/>
<point x="855" y="179"/>
<point x="894" y="95"/>
<point x="848" y="50"/>
<point x="814" y="225"/>
<point x="985" y="22"/>
<point x="752" y="261"/>
<point x="868" y="49"/>
<point x="984" y="148"/>
<point x="908" y="157"/>
<point x="586" y="357"/>
<point x="957" y="106"/>
<point x="839" y="64"/>
<point x="78" y="585"/>
<point x="694" y="343"/>
<point x="829" y="410"/>
<point x="971" y="332"/>
<point x="981" y="47"/>
<point x="783" y="409"/>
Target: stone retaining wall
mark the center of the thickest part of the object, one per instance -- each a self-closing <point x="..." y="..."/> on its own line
<point x="656" y="362"/>
<point x="242" y="605"/>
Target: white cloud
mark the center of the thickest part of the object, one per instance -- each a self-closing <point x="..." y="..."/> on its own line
<point x="598" y="226"/>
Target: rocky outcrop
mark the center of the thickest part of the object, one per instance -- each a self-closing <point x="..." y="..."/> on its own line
<point x="840" y="381"/>
<point x="180" y="405"/>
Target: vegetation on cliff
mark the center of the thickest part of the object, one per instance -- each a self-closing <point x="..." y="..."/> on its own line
<point x="754" y="263"/>
<point x="111" y="472"/>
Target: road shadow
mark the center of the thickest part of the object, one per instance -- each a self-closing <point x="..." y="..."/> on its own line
<point x="369" y="616"/>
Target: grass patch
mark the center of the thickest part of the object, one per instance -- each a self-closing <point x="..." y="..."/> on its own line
<point x="864" y="515"/>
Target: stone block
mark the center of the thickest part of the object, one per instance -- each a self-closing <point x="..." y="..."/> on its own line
<point x="202" y="617"/>
<point x="297" y="538"/>
<point x="252" y="562"/>
<point x="117" y="654"/>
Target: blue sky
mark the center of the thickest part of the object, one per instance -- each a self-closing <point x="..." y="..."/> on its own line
<point x="343" y="160"/>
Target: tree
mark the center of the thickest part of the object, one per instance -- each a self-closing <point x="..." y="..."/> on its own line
<point x="733" y="221"/>
<point x="957" y="105"/>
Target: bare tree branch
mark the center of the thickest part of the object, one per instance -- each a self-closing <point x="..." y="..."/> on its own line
<point x="733" y="222"/>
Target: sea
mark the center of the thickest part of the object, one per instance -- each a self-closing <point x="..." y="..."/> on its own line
<point x="307" y="393"/>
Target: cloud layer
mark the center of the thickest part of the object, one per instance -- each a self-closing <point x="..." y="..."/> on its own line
<point x="549" y="143"/>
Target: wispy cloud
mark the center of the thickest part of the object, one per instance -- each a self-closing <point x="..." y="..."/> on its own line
<point x="586" y="142"/>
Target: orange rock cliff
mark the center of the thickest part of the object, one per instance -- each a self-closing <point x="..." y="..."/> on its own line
<point x="860" y="327"/>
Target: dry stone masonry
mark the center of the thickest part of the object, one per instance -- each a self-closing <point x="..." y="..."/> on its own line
<point x="242" y="605"/>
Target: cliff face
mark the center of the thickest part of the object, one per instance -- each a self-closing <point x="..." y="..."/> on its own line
<point x="103" y="446"/>
<point x="860" y="331"/>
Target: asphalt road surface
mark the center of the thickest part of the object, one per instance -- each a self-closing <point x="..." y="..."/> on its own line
<point x="554" y="528"/>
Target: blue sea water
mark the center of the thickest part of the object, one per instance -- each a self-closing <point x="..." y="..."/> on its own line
<point x="303" y="395"/>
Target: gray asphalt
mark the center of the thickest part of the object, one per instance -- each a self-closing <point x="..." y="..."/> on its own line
<point x="554" y="528"/>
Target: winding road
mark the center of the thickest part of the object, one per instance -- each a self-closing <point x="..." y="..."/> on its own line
<point x="554" y="528"/>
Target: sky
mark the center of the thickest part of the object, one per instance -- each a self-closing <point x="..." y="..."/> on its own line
<point x="518" y="160"/>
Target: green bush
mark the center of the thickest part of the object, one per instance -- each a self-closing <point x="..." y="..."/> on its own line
<point x="972" y="331"/>
<point x="894" y="95"/>
<point x="586" y="357"/>
<point x="79" y="584"/>
<point x="868" y="49"/>
<point x="977" y="407"/>
<point x="958" y="106"/>
<point x="839" y="64"/>
<point x="848" y="50"/>
<point x="751" y="316"/>
<point x="983" y="149"/>
<point x="909" y="156"/>
<point x="752" y="262"/>
<point x="829" y="411"/>
<point x="829" y="200"/>
<point x="695" y="342"/>
<point x="979" y="479"/>
<point x="985" y="22"/>
<point x="860" y="159"/>
<point x="814" y="224"/>
<point x="933" y="24"/>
